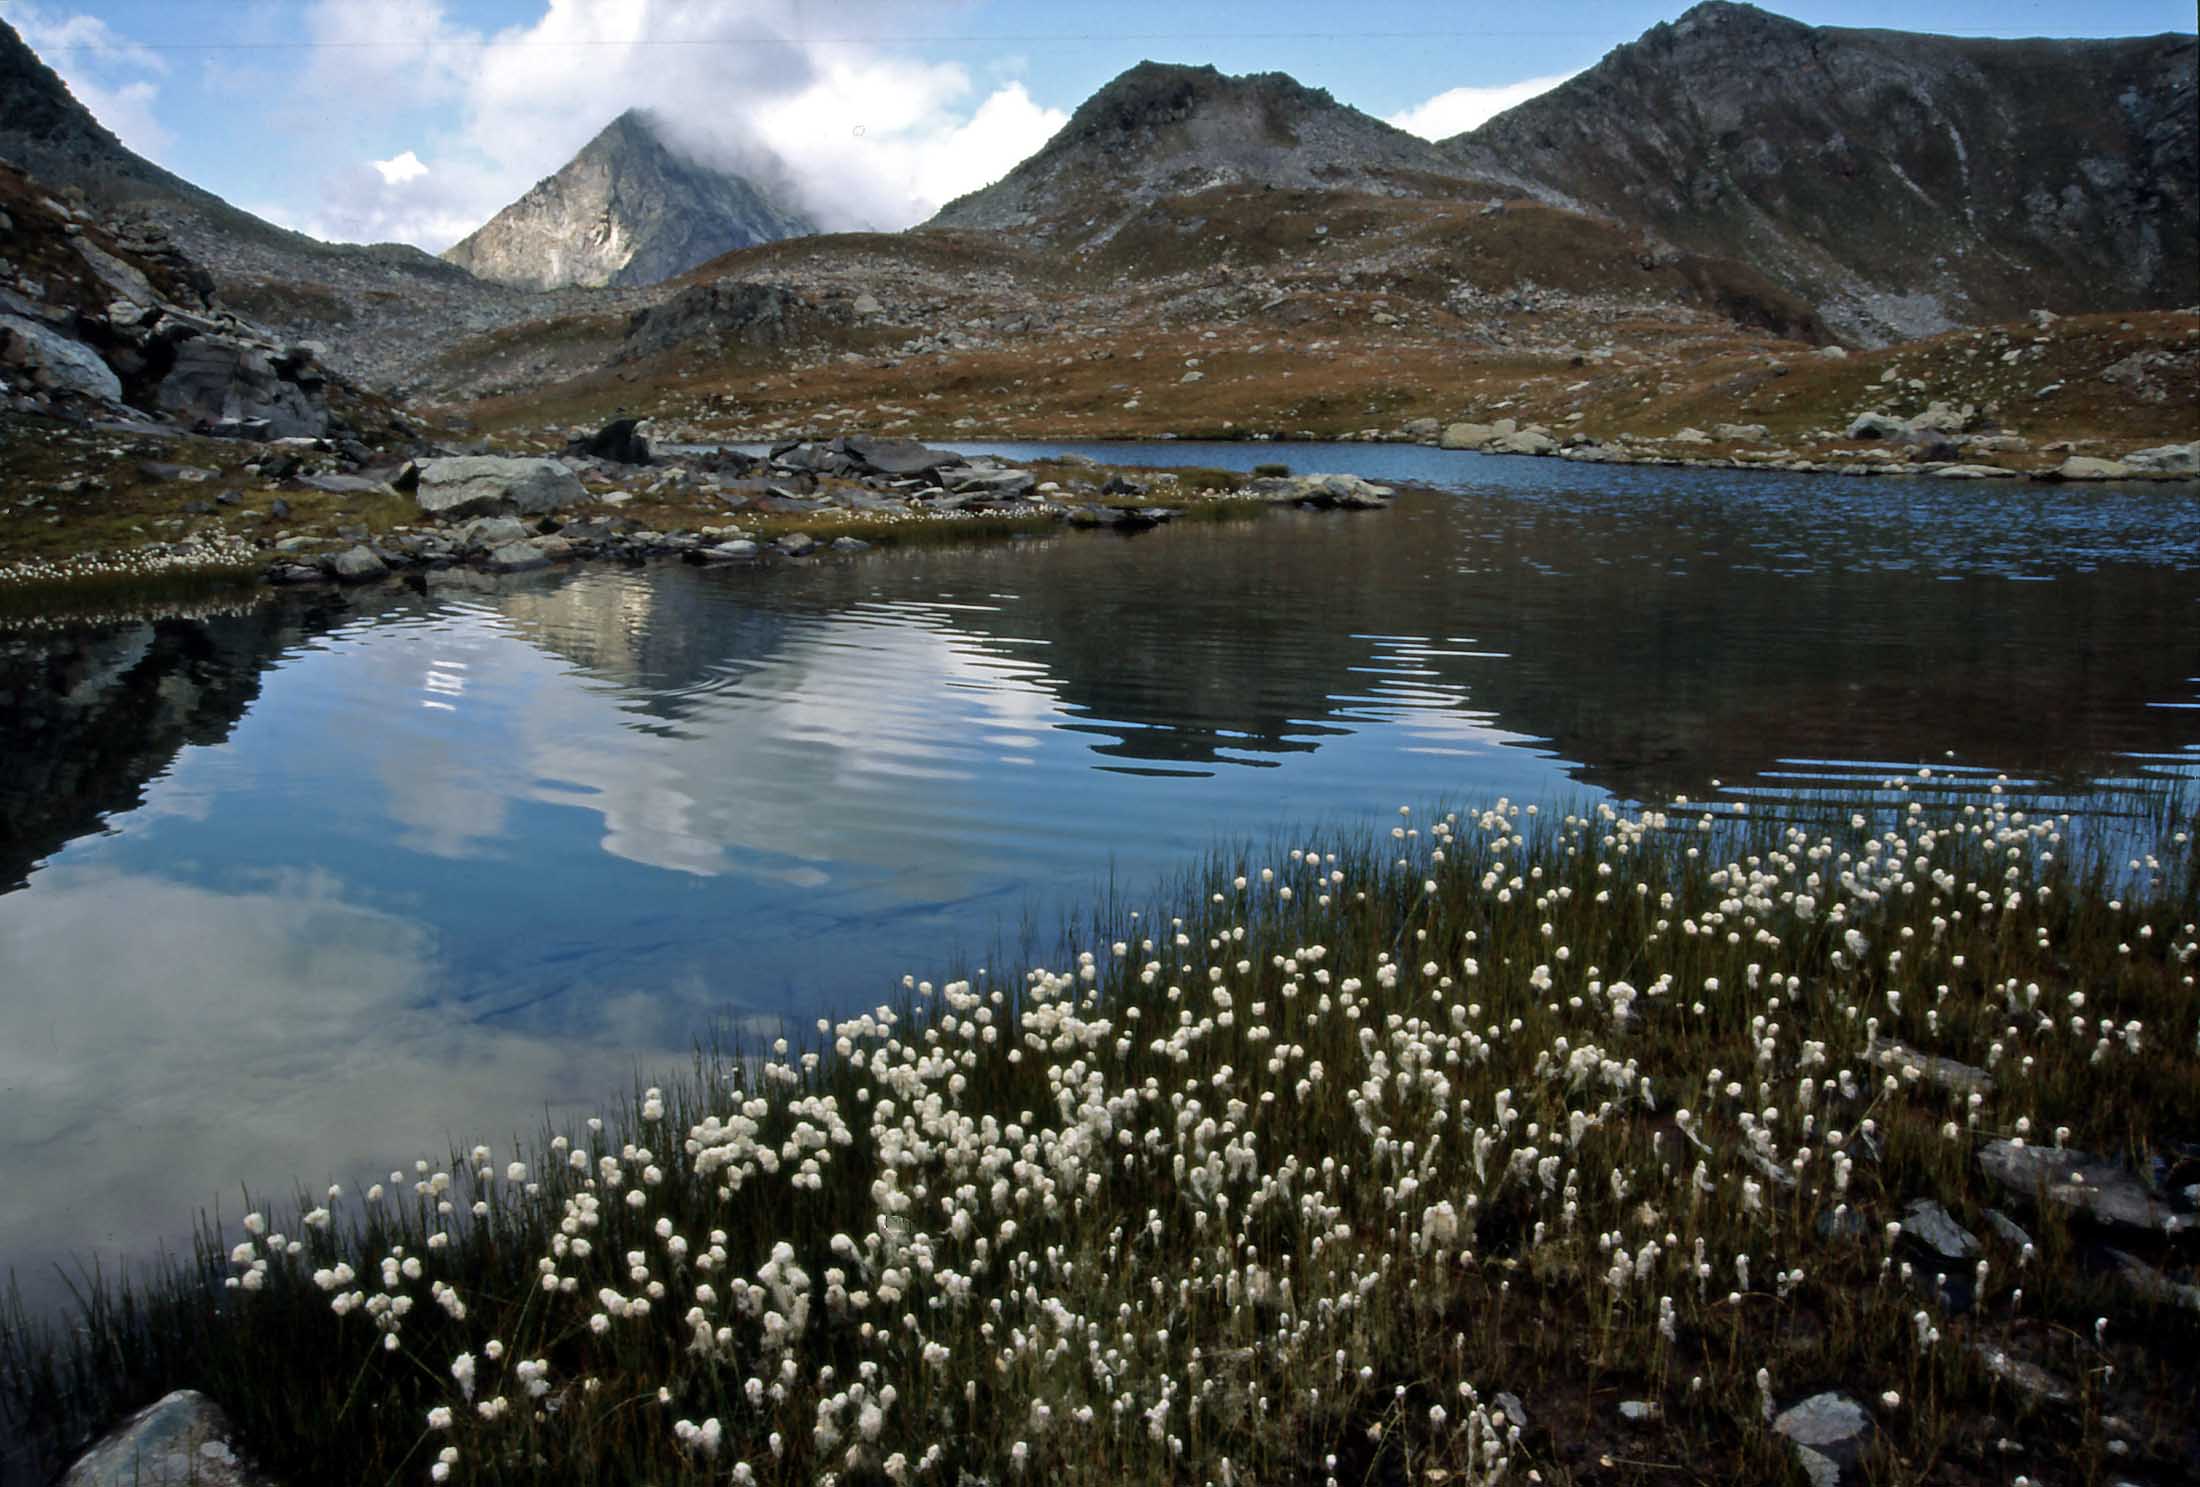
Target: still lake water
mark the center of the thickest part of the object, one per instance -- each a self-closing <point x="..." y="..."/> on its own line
<point x="302" y="894"/>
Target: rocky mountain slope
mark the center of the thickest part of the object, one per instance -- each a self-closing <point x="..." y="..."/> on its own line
<point x="629" y="209"/>
<point x="1161" y="130"/>
<point x="1902" y="183"/>
<point x="369" y="306"/>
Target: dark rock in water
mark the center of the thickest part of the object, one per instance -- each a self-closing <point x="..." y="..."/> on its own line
<point x="850" y="544"/>
<point x="797" y="544"/>
<point x="1829" y="1433"/>
<point x="619" y="441"/>
<point x="516" y="557"/>
<point x="357" y="565"/>
<point x="290" y="573"/>
<point x="182" y="1441"/>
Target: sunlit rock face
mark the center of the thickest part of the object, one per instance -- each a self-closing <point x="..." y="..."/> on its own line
<point x="627" y="210"/>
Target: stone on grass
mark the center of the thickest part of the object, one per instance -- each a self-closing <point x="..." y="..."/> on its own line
<point x="1829" y="1433"/>
<point x="183" y="1439"/>
<point x="2067" y="1178"/>
<point x="2028" y="1378"/>
<point x="1926" y="1223"/>
<point x="1958" y="1078"/>
<point x="486" y="485"/>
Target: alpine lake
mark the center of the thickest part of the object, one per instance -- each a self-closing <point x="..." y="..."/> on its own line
<point x="296" y="894"/>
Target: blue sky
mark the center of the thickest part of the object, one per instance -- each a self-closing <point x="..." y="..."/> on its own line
<point x="416" y="119"/>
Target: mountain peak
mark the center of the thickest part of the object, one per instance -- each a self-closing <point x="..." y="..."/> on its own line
<point x="1162" y="128"/>
<point x="631" y="208"/>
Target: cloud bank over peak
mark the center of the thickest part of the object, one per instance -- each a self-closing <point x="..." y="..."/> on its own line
<point x="859" y="137"/>
<point x="1456" y="110"/>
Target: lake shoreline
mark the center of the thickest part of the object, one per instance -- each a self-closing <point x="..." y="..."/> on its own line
<point x="1338" y="1209"/>
<point x="386" y="538"/>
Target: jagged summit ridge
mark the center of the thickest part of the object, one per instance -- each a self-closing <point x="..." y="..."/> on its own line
<point x="629" y="209"/>
<point x="1901" y="182"/>
<point x="1162" y="129"/>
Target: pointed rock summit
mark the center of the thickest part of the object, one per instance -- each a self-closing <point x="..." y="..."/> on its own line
<point x="1166" y="130"/>
<point x="1902" y="183"/>
<point x="629" y="209"/>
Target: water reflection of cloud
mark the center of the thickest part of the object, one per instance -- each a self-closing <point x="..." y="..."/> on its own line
<point x="169" y="1041"/>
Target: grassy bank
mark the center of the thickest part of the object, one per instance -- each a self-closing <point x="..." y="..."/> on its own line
<point x="1287" y="1178"/>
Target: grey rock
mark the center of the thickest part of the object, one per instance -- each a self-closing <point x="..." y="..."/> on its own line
<point x="2152" y="1283"/>
<point x="2082" y="467"/>
<point x="2007" y="1229"/>
<point x="2166" y="459"/>
<point x="490" y="532"/>
<point x="629" y="209"/>
<point x="516" y="557"/>
<point x="357" y="565"/>
<point x="484" y="485"/>
<point x="622" y="441"/>
<point x="797" y="544"/>
<point x="216" y="380"/>
<point x="738" y="550"/>
<point x="1527" y="441"/>
<point x="850" y="544"/>
<point x="343" y="485"/>
<point x="1959" y="1078"/>
<point x="2027" y="1377"/>
<point x="1829" y="1433"/>
<point x="1476" y="435"/>
<point x="183" y="1439"/>
<point x="1876" y="426"/>
<point x="898" y="456"/>
<point x="1640" y="1411"/>
<point x="1934" y="1230"/>
<point x="1324" y="492"/>
<point x="1973" y="472"/>
<point x="53" y="361"/>
<point x="998" y="484"/>
<point x="1513" y="1409"/>
<point x="2072" y="1179"/>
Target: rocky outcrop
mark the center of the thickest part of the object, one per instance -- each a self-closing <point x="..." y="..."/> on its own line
<point x="218" y="380"/>
<point x="182" y="1441"/>
<point x="629" y="209"/>
<point x="488" y="485"/>
<point x="1163" y="130"/>
<point x="740" y="313"/>
<point x="1901" y="183"/>
<point x="53" y="362"/>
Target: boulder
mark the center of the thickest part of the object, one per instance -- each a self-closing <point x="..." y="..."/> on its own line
<point x="2081" y="467"/>
<point x="183" y="1439"/>
<point x="55" y="362"/>
<point x="1475" y="435"/>
<point x="621" y="441"/>
<point x="1943" y="418"/>
<point x="1742" y="433"/>
<point x="1929" y="1226"/>
<point x="1527" y="441"/>
<point x="1973" y="472"/>
<point x="357" y="565"/>
<point x="484" y="485"/>
<point x="998" y="485"/>
<point x="739" y="550"/>
<point x="900" y="457"/>
<point x="797" y="544"/>
<point x="1876" y="426"/>
<point x="516" y="557"/>
<point x="491" y="532"/>
<point x="216" y="380"/>
<point x="1328" y="492"/>
<point x="1829" y="1433"/>
<point x="2067" y="1178"/>
<point x="2166" y="459"/>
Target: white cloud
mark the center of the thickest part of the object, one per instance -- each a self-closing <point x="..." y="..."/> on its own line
<point x="864" y="138"/>
<point x="104" y="69"/>
<point x="1457" y="110"/>
<point x="399" y="169"/>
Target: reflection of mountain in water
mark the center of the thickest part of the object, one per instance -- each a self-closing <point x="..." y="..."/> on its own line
<point x="1654" y="654"/>
<point x="88" y="718"/>
<point x="1655" y="658"/>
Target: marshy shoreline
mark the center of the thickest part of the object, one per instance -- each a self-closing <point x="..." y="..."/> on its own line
<point x="1502" y="1142"/>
